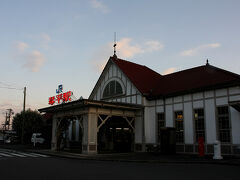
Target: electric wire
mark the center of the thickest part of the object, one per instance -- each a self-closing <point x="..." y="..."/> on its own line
<point x="11" y="88"/>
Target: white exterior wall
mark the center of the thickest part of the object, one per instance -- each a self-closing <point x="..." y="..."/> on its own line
<point x="131" y="94"/>
<point x="235" y="116"/>
<point x="138" y="129"/>
<point x="169" y="116"/>
<point x="188" y="123"/>
<point x="150" y="124"/>
<point x="234" y="95"/>
<point x="208" y="100"/>
<point x="210" y="121"/>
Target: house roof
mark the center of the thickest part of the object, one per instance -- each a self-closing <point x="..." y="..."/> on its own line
<point x="141" y="76"/>
<point x="153" y="85"/>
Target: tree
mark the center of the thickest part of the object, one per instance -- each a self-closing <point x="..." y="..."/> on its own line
<point x="33" y="122"/>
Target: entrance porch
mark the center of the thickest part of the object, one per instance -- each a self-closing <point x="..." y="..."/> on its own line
<point x="97" y="126"/>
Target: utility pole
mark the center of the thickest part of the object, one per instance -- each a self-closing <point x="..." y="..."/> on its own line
<point x="24" y="105"/>
<point x="9" y="113"/>
<point x="24" y="99"/>
<point x="6" y="125"/>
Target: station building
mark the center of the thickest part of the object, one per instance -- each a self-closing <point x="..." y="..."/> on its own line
<point x="130" y="105"/>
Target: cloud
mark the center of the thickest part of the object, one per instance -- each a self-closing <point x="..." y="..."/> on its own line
<point x="153" y="46"/>
<point x="99" y="5"/>
<point x="197" y="50"/>
<point x="100" y="57"/>
<point x="42" y="39"/>
<point x="126" y="48"/>
<point x="169" y="71"/>
<point x="21" y="46"/>
<point x="34" y="61"/>
<point x="31" y="59"/>
<point x="45" y="39"/>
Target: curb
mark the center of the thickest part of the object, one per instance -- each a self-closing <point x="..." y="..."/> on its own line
<point x="105" y="158"/>
<point x="95" y="158"/>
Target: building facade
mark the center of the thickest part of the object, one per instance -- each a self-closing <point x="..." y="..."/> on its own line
<point x="131" y="103"/>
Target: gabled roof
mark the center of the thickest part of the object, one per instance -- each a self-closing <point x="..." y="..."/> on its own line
<point x="153" y="85"/>
<point x="142" y="77"/>
<point x="195" y="79"/>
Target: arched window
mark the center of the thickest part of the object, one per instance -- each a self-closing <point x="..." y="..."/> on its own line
<point x="113" y="88"/>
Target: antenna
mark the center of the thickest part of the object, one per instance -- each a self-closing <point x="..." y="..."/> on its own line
<point x="115" y="44"/>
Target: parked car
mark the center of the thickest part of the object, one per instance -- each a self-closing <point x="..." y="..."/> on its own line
<point x="1" y="139"/>
<point x="37" y="138"/>
<point x="8" y="140"/>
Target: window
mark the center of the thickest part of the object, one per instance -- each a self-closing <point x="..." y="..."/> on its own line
<point x="223" y="124"/>
<point x="113" y="88"/>
<point x="160" y="123"/>
<point x="199" y="124"/>
<point x="179" y="127"/>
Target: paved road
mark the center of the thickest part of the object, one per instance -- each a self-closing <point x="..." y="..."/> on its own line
<point x="61" y="168"/>
<point x="19" y="154"/>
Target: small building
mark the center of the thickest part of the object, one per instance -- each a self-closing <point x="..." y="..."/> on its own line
<point x="131" y="103"/>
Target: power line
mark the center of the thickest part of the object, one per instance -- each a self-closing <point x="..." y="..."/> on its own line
<point x="5" y="84"/>
<point x="11" y="88"/>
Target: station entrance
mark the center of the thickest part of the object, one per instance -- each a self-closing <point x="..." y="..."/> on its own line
<point x="115" y="134"/>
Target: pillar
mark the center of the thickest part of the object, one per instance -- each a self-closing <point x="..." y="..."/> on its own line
<point x="89" y="134"/>
<point x="54" y="134"/>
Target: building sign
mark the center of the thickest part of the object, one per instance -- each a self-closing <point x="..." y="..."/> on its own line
<point x="60" y="97"/>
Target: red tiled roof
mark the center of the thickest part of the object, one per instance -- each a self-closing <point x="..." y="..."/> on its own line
<point x="153" y="85"/>
<point x="195" y="79"/>
<point x="141" y="76"/>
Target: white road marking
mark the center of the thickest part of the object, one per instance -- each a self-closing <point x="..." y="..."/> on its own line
<point x="28" y="154"/>
<point x="15" y="154"/>
<point x="20" y="154"/>
<point x="41" y="155"/>
<point x="5" y="155"/>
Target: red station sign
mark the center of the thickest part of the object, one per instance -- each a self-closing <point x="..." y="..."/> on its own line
<point x="60" y="97"/>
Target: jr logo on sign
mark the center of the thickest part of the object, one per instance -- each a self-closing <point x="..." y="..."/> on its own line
<point x="60" y="89"/>
<point x="60" y="97"/>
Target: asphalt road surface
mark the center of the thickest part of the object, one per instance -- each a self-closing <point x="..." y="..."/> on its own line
<point x="52" y="168"/>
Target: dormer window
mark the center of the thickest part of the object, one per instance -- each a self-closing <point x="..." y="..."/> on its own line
<point x="113" y="88"/>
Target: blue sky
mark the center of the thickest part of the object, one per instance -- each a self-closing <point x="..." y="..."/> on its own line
<point x="50" y="42"/>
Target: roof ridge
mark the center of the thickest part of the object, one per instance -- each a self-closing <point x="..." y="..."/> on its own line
<point x="207" y="65"/>
<point x="224" y="71"/>
<point x="180" y="71"/>
<point x="135" y="64"/>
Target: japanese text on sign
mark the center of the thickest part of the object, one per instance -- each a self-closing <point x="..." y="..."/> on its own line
<point x="63" y="97"/>
<point x="60" y="97"/>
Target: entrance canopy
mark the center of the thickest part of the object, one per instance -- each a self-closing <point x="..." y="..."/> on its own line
<point x="84" y="103"/>
<point x="96" y="121"/>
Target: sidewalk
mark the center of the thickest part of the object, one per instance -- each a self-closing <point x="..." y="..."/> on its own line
<point x="132" y="157"/>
